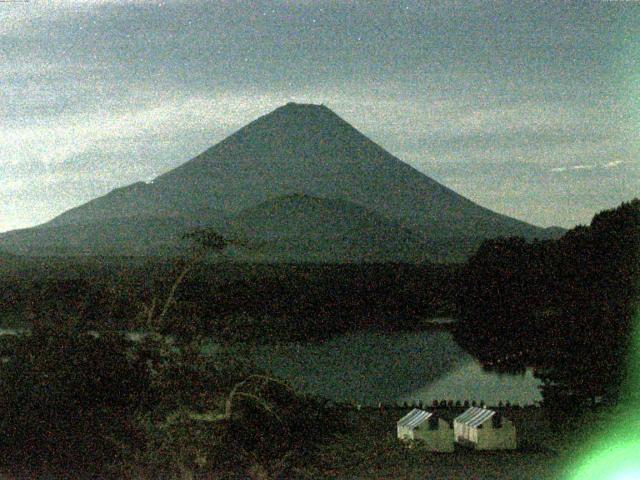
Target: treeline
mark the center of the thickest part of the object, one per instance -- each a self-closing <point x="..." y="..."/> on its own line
<point x="244" y="302"/>
<point x="565" y="306"/>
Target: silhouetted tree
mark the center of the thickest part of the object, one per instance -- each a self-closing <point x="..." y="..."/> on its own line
<point x="564" y="306"/>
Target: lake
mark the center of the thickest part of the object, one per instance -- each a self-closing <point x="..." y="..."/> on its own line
<point x="369" y="368"/>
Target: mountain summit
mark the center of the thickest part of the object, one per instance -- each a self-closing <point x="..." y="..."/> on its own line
<point x="295" y="149"/>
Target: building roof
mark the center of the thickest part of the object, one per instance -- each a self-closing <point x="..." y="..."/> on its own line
<point x="475" y="416"/>
<point x="414" y="418"/>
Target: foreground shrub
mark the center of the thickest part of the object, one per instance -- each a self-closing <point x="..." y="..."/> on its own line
<point x="87" y="404"/>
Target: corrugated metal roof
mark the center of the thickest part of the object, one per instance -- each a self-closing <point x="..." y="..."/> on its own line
<point x="414" y="418"/>
<point x="475" y="416"/>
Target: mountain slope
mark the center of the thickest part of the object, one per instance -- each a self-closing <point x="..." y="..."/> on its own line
<point x="12" y="263"/>
<point x="302" y="148"/>
<point x="296" y="148"/>
<point x="136" y="235"/>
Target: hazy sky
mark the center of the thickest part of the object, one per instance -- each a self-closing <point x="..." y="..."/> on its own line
<point x="530" y="109"/>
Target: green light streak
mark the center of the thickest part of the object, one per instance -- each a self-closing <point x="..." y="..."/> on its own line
<point x="612" y="452"/>
<point x="617" y="457"/>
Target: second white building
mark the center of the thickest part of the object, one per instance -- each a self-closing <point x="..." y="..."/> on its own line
<point x="484" y="429"/>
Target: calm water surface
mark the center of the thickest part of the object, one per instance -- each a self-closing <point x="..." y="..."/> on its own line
<point x="369" y="368"/>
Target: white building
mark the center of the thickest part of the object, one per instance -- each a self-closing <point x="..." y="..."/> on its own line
<point x="434" y="433"/>
<point x="484" y="429"/>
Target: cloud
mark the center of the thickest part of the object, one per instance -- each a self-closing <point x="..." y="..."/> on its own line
<point x="573" y="167"/>
<point x="53" y="142"/>
<point x="50" y="164"/>
<point x="608" y="165"/>
<point x="613" y="164"/>
<point x="582" y="167"/>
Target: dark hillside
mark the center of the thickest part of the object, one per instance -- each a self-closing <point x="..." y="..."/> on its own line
<point x="326" y="230"/>
<point x="136" y="235"/>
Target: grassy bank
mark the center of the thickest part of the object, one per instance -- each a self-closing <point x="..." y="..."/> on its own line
<point x="370" y="450"/>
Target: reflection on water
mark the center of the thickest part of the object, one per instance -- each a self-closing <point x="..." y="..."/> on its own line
<point x="369" y="368"/>
<point x="471" y="382"/>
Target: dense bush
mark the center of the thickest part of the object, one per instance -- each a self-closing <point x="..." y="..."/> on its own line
<point x="563" y="306"/>
<point x="84" y="404"/>
<point x="65" y="396"/>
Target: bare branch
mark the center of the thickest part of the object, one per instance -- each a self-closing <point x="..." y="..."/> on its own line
<point x="260" y="401"/>
<point x="151" y="311"/>
<point x="236" y="388"/>
<point x="170" y="299"/>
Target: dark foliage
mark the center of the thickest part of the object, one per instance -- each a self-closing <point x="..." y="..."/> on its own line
<point x="564" y="306"/>
<point x="65" y="394"/>
<point x="255" y="303"/>
<point x="80" y="405"/>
